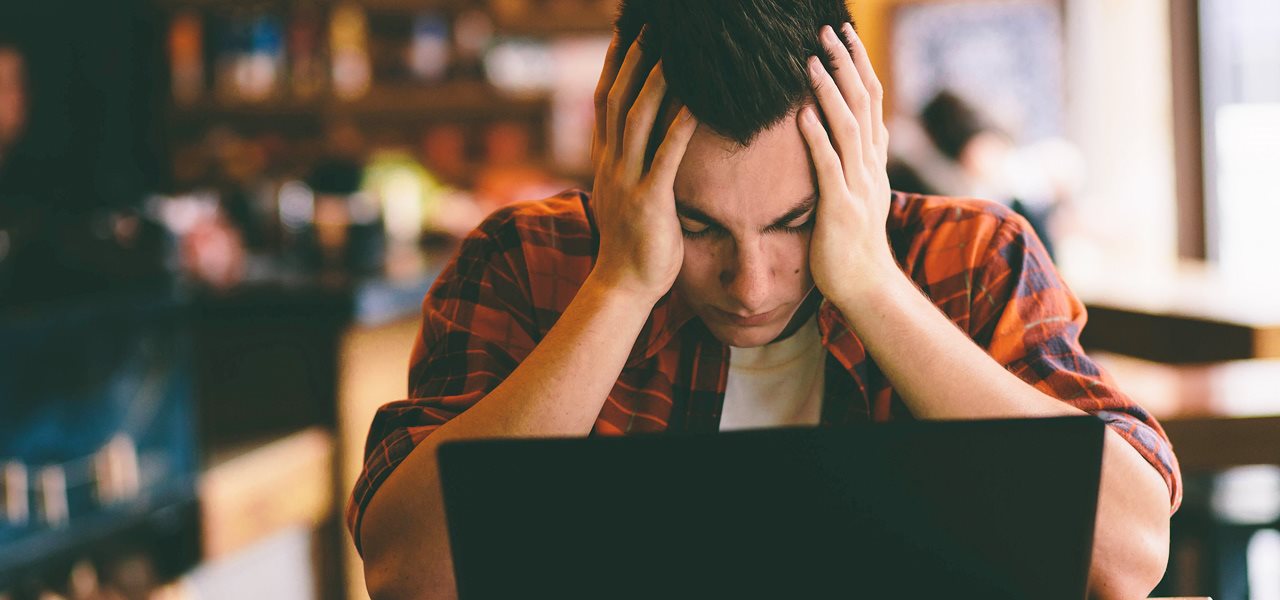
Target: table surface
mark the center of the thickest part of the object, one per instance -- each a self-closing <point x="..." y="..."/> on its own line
<point x="1233" y="389"/>
<point x="1190" y="290"/>
<point x="1184" y="313"/>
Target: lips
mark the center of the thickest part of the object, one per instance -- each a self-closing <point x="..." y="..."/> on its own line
<point x="747" y="320"/>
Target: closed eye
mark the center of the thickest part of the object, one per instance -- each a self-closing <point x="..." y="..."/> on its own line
<point x="694" y="229"/>
<point x="804" y="224"/>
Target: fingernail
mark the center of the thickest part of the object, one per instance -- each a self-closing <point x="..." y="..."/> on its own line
<point x="851" y="34"/>
<point x="806" y="113"/>
<point x="814" y="65"/>
<point x="828" y="33"/>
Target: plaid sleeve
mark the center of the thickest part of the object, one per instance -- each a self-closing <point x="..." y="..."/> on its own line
<point x="1030" y="322"/>
<point x="478" y="323"/>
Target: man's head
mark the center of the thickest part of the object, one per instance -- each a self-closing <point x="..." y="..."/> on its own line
<point x="739" y="65"/>
<point x="745" y="190"/>
<point x="962" y="133"/>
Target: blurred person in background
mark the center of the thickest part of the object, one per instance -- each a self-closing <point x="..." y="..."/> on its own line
<point x="958" y="150"/>
<point x="741" y="231"/>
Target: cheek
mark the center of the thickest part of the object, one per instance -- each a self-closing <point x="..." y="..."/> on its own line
<point x="792" y="256"/>
<point x="699" y="271"/>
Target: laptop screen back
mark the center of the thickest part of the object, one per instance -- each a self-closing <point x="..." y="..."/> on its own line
<point x="992" y="509"/>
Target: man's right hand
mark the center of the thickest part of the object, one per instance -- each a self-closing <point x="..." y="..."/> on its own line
<point x="641" y="247"/>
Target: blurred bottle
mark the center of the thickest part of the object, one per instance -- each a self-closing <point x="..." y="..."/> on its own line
<point x="428" y="53"/>
<point x="406" y="192"/>
<point x="51" y="489"/>
<point x="306" y="64"/>
<point x="227" y="37"/>
<point x="186" y="57"/>
<point x="472" y="34"/>
<point x="349" y="51"/>
<point x="259" y="68"/>
<point x="249" y="58"/>
<point x="15" y="493"/>
<point x="520" y="67"/>
<point x="116" y="474"/>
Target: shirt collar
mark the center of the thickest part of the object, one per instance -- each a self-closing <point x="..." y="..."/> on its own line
<point x="668" y="316"/>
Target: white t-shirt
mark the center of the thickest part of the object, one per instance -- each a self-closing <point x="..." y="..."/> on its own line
<point x="777" y="384"/>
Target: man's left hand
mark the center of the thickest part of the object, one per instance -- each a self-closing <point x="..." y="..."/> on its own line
<point x="849" y="250"/>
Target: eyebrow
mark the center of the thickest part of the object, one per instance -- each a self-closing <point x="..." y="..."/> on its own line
<point x="800" y="208"/>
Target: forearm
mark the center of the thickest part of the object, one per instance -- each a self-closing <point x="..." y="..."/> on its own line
<point x="942" y="374"/>
<point x="936" y="368"/>
<point x="558" y="390"/>
<point x="1131" y="532"/>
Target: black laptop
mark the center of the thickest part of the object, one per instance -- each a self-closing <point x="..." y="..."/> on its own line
<point x="974" y="509"/>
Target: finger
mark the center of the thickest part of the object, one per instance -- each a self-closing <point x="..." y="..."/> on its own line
<point x="621" y="94"/>
<point x="845" y="130"/>
<point x="640" y="120"/>
<point x="851" y="87"/>
<point x="608" y="74"/>
<point x="666" y="162"/>
<point x="666" y="116"/>
<point x="826" y="163"/>
<point x="875" y="89"/>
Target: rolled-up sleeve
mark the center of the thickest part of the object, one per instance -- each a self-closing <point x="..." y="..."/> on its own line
<point x="1030" y="321"/>
<point x="478" y="324"/>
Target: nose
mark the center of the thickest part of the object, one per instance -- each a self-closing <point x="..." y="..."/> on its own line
<point x="747" y="277"/>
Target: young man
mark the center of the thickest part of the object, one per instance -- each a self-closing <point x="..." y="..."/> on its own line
<point x="755" y="271"/>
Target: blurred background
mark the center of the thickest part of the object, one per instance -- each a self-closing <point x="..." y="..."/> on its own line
<point x="218" y="219"/>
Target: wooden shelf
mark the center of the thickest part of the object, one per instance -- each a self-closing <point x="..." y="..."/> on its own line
<point x="397" y="5"/>
<point x="542" y="24"/>
<point x="534" y="22"/>
<point x="450" y="100"/>
<point x="272" y="109"/>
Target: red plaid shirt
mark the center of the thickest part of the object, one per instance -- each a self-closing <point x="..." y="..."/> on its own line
<point x="515" y="275"/>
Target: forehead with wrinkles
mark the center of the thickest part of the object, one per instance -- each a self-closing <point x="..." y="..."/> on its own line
<point x="746" y="185"/>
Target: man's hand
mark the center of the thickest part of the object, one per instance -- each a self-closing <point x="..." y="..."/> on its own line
<point x="641" y="248"/>
<point x="849" y="251"/>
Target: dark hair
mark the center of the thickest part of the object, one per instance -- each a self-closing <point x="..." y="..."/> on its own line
<point x="951" y="122"/>
<point x="739" y="65"/>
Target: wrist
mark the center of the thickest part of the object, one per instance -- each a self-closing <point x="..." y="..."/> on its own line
<point x="874" y="286"/>
<point x="615" y="290"/>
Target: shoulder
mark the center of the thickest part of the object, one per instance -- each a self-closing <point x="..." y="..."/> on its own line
<point x="538" y="250"/>
<point x="550" y="222"/>
<point x="960" y="233"/>
<point x="551" y="229"/>
<point x="921" y="215"/>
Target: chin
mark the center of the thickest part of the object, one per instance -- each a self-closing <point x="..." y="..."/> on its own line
<point x="745" y="337"/>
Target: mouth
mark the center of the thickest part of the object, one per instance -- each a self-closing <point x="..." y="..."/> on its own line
<point x="746" y="320"/>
